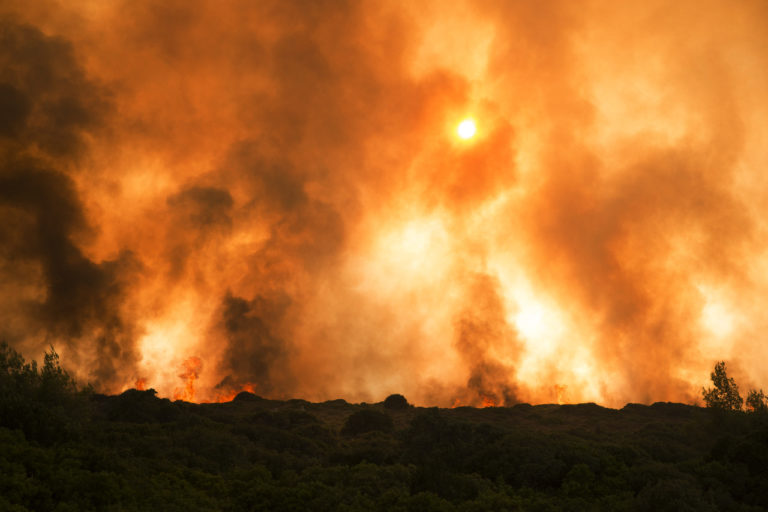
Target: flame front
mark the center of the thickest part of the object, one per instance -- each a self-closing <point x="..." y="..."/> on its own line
<point x="560" y="392"/>
<point x="231" y="394"/>
<point x="489" y="401"/>
<point x="190" y="372"/>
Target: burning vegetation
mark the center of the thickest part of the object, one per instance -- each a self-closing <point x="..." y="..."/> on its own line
<point x="191" y="368"/>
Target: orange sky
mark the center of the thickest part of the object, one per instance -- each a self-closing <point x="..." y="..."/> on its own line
<point x="272" y="196"/>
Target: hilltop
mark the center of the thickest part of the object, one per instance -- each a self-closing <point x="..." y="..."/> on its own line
<point x="63" y="448"/>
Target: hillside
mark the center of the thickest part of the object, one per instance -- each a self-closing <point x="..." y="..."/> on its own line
<point x="62" y="449"/>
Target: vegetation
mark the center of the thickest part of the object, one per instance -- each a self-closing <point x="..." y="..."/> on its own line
<point x="725" y="394"/>
<point x="757" y="401"/>
<point x="396" y="402"/>
<point x="367" y="420"/>
<point x="67" y="450"/>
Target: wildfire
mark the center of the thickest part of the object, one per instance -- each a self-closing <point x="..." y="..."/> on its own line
<point x="513" y="229"/>
<point x="232" y="393"/>
<point x="190" y="372"/>
<point x="560" y="391"/>
<point x="489" y="401"/>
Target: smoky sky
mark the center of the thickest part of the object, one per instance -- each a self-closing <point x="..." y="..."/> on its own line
<point x="48" y="109"/>
<point x="276" y="192"/>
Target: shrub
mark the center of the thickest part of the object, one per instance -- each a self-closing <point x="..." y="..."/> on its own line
<point x="757" y="401"/>
<point x="396" y="402"/>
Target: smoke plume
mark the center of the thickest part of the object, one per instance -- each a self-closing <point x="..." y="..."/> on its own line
<point x="272" y="196"/>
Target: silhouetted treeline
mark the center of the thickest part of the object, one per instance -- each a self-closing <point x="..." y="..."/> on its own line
<point x="64" y="449"/>
<point x="725" y="393"/>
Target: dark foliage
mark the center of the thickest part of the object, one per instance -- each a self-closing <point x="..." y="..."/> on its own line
<point x="245" y="396"/>
<point x="396" y="403"/>
<point x="757" y="401"/>
<point x="41" y="402"/>
<point x="140" y="407"/>
<point x="63" y="450"/>
<point x="367" y="420"/>
<point x="725" y="393"/>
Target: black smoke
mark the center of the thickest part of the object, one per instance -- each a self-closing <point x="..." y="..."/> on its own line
<point x="253" y="353"/>
<point x="48" y="112"/>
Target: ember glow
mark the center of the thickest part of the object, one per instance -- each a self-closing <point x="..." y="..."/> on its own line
<point x="279" y="196"/>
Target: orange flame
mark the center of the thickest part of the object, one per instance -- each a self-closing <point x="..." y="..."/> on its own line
<point x="231" y="393"/>
<point x="560" y="391"/>
<point x="140" y="384"/>
<point x="489" y="401"/>
<point x="190" y="371"/>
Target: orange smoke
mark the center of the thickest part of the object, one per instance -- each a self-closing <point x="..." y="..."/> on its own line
<point x="279" y="188"/>
<point x="140" y="384"/>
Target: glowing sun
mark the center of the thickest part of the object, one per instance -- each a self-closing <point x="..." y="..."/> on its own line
<point x="466" y="129"/>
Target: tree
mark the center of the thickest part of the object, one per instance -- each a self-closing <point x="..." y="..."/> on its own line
<point x="725" y="394"/>
<point x="41" y="401"/>
<point x="55" y="382"/>
<point x="757" y="401"/>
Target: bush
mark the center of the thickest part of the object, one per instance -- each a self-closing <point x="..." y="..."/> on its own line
<point x="134" y="406"/>
<point x="757" y="401"/>
<point x="396" y="402"/>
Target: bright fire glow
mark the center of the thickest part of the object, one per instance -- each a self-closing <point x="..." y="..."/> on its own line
<point x="190" y="372"/>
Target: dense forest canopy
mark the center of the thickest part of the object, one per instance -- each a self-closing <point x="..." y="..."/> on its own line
<point x="69" y="449"/>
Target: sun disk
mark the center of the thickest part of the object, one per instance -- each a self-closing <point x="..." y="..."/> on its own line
<point x="466" y="129"/>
